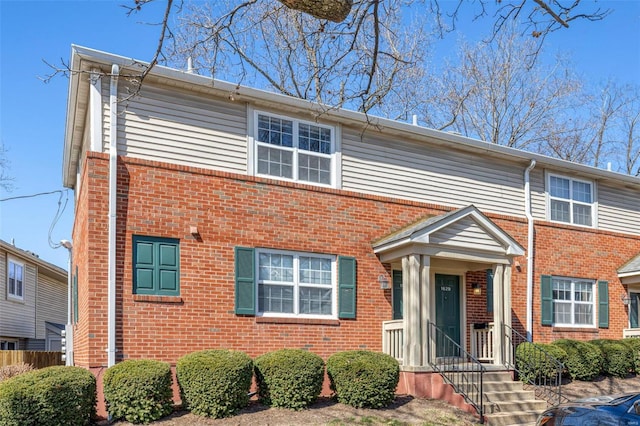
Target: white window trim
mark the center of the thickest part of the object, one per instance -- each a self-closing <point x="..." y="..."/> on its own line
<point x="594" y="302"/>
<point x="252" y="151"/>
<point x="10" y="296"/>
<point x="594" y="204"/>
<point x="334" y="285"/>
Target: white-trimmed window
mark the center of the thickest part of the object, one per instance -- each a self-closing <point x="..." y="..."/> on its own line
<point x="296" y="284"/>
<point x="570" y="200"/>
<point x="295" y="150"/>
<point x="574" y="302"/>
<point x="8" y="345"/>
<point x="15" y="279"/>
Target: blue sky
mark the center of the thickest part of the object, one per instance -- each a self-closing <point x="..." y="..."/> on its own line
<point x="32" y="113"/>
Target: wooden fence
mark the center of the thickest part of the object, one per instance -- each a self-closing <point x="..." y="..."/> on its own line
<point x="38" y="359"/>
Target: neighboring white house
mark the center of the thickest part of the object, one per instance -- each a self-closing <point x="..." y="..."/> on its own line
<point x="33" y="301"/>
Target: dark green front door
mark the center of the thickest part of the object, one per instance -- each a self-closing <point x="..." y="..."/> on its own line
<point x="447" y="313"/>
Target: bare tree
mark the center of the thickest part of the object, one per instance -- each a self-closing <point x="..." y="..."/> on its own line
<point x="494" y="94"/>
<point x="6" y="181"/>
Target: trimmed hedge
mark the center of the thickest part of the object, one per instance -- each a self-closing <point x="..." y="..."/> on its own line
<point x="584" y="360"/>
<point x="215" y="383"/>
<point x="617" y="357"/>
<point x="53" y="396"/>
<point x="289" y="378"/>
<point x="138" y="391"/>
<point x="363" y="378"/>
<point x="634" y="345"/>
<point x="533" y="363"/>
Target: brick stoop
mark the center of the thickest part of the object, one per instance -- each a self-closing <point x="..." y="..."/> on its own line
<point x="507" y="402"/>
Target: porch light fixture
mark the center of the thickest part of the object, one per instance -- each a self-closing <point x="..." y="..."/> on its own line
<point x="476" y="289"/>
<point x="625" y="300"/>
<point x="384" y="281"/>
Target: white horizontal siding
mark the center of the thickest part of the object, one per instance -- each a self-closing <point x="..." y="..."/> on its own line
<point x="183" y="129"/>
<point x="618" y="209"/>
<point x="538" y="195"/>
<point x="433" y="174"/>
<point x="51" y="304"/>
<point x="465" y="233"/>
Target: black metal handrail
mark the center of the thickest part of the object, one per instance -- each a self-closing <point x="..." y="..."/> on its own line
<point x="457" y="366"/>
<point x="534" y="366"/>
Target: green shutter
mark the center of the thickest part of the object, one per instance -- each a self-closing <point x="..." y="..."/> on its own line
<point x="245" y="297"/>
<point x="603" y="304"/>
<point x="76" y="314"/>
<point x="156" y="266"/>
<point x="397" y="295"/>
<point x="489" y="290"/>
<point x="346" y="287"/>
<point x="633" y="310"/>
<point x="546" y="300"/>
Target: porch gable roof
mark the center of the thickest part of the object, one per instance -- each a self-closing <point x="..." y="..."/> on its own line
<point x="466" y="227"/>
<point x="631" y="268"/>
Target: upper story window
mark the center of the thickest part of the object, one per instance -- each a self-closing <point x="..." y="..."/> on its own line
<point x="15" y="280"/>
<point x="571" y="201"/>
<point x="294" y="150"/>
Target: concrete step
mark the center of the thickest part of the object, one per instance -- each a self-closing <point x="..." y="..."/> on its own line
<point x="516" y="406"/>
<point x="487" y="387"/>
<point x="498" y="396"/>
<point x="513" y="418"/>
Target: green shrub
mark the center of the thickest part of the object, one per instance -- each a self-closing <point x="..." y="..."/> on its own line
<point x="50" y="396"/>
<point x="289" y="378"/>
<point x="634" y="346"/>
<point x="215" y="383"/>
<point x="363" y="378"/>
<point x="9" y="371"/>
<point x="138" y="391"/>
<point x="617" y="357"/>
<point x="584" y="360"/>
<point x="535" y="361"/>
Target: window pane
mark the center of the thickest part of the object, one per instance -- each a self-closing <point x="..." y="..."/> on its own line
<point x="314" y="138"/>
<point x="275" y="162"/>
<point x="560" y="211"/>
<point x="584" y="314"/>
<point x="315" y="301"/>
<point x="562" y="313"/>
<point x="561" y="290"/>
<point x="582" y="214"/>
<point x="275" y="298"/>
<point x="583" y="292"/>
<point x="314" y="270"/>
<point x="275" y="131"/>
<point x="275" y="267"/>
<point x="314" y="169"/>
<point x="582" y="191"/>
<point x="559" y="187"/>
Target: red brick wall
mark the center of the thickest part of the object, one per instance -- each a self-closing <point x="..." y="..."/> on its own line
<point x="157" y="199"/>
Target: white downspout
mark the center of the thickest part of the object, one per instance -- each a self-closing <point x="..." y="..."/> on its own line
<point x="113" y="183"/>
<point x="530" y="249"/>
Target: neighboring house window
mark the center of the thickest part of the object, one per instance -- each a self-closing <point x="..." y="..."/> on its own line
<point x="156" y="266"/>
<point x="292" y="284"/>
<point x="294" y="150"/>
<point x="8" y="345"/>
<point x="572" y="302"/>
<point x="16" y="280"/>
<point x="571" y="201"/>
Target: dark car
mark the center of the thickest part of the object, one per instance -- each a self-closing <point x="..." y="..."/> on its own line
<point x="608" y="410"/>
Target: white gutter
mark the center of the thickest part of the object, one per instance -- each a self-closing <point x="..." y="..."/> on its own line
<point x="113" y="182"/>
<point x="530" y="249"/>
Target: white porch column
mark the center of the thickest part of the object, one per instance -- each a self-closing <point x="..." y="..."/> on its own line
<point x="425" y="306"/>
<point x="498" y="314"/>
<point x="507" y="351"/>
<point x="412" y="344"/>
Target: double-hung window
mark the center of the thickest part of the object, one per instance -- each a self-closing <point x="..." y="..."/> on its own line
<point x="296" y="284"/>
<point x="15" y="280"/>
<point x="571" y="200"/>
<point x="294" y="150"/>
<point x="573" y="302"/>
